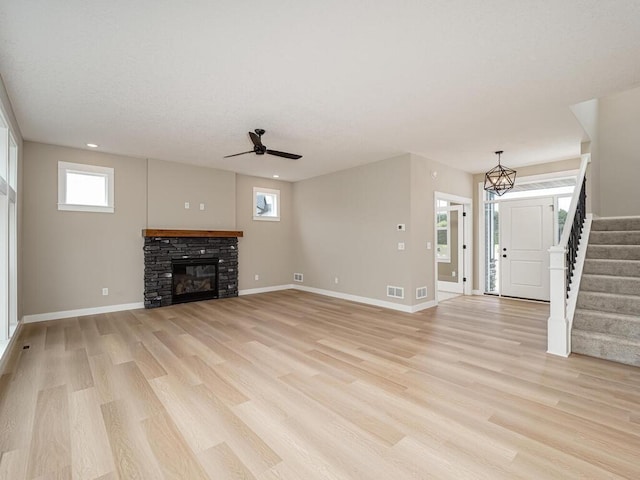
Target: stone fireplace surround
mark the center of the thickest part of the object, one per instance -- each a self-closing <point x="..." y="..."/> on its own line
<point x="163" y="246"/>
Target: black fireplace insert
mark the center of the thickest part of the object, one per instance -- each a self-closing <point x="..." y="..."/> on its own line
<point x="194" y="279"/>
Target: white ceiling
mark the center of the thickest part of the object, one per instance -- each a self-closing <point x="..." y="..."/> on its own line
<point x="341" y="82"/>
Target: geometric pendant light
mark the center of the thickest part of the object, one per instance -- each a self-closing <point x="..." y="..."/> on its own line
<point x="499" y="179"/>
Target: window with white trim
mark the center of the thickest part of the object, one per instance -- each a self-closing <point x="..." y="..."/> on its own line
<point x="8" y="233"/>
<point x="266" y="204"/>
<point x="85" y="188"/>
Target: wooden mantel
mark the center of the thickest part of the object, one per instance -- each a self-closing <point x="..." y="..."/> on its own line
<point x="191" y="233"/>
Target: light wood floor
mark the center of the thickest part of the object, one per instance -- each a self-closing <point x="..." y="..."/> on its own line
<point x="290" y="385"/>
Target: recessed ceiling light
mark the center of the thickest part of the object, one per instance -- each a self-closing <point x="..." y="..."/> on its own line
<point x="276" y="176"/>
<point x="92" y="145"/>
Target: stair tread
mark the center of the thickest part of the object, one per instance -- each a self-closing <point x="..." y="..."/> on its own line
<point x="609" y="315"/>
<point x="609" y="277"/>
<point x="633" y="246"/>
<point x="609" y="294"/>
<point x="615" y="260"/>
<point x="606" y="336"/>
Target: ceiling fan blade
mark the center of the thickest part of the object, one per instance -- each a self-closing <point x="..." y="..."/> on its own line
<point x="256" y="140"/>
<point x="236" y="154"/>
<point x="292" y="156"/>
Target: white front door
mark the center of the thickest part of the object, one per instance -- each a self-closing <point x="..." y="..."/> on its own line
<point x="526" y="234"/>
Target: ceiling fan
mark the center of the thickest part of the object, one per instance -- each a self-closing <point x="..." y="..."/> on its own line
<point x="260" y="149"/>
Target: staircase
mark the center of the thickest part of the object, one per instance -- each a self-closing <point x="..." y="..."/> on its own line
<point x="606" y="323"/>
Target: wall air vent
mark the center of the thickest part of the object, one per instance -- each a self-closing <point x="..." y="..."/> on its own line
<point x="395" y="292"/>
<point x="421" y="292"/>
<point x="298" y="277"/>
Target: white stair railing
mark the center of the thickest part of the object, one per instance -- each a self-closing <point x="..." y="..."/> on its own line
<point x="562" y="260"/>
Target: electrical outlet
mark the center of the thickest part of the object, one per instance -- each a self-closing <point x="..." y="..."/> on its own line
<point x="336" y="280"/>
<point x="105" y="291"/>
<point x="202" y="206"/>
<point x="401" y="227"/>
<point x="256" y="277"/>
<point x="428" y="245"/>
<point x="453" y="274"/>
<point x="187" y="205"/>
<point x="400" y="245"/>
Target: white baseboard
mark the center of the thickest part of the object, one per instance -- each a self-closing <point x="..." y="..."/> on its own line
<point x="423" y="306"/>
<point x="6" y="347"/>
<point x="476" y="292"/>
<point x="43" y="317"/>
<point x="276" y="288"/>
<point x="366" y="300"/>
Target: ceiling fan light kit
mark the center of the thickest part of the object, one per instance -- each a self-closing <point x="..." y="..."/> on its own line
<point x="499" y="179"/>
<point x="260" y="149"/>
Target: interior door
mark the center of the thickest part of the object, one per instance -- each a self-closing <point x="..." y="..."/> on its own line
<point x="451" y="268"/>
<point x="526" y="234"/>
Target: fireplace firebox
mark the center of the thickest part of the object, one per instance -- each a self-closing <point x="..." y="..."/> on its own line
<point x="194" y="279"/>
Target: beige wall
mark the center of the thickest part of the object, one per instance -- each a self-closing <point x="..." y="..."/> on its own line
<point x="70" y="256"/>
<point x="619" y="153"/>
<point x="543" y="168"/>
<point x="265" y="249"/>
<point x="588" y="115"/>
<point x="172" y="184"/>
<point x="345" y="227"/>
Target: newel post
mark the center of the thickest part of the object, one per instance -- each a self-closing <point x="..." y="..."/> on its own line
<point x="557" y="326"/>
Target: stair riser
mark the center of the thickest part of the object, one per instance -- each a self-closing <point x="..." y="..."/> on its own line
<point x="604" y="267"/>
<point x="595" y="322"/>
<point x="632" y="223"/>
<point x="629" y="305"/>
<point x="609" y="350"/>
<point x="614" y="238"/>
<point x="614" y="252"/>
<point x="620" y="285"/>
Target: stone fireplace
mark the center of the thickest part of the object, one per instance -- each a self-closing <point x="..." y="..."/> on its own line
<point x="189" y="265"/>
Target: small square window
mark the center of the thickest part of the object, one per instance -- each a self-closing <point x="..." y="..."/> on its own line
<point x="266" y="204"/>
<point x="85" y="188"/>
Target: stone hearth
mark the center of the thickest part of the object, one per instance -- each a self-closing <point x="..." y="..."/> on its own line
<point x="163" y="246"/>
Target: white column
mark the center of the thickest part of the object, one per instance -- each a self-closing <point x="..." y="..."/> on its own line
<point x="557" y="326"/>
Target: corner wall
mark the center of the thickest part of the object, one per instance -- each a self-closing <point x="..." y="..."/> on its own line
<point x="345" y="228"/>
<point x="266" y="248"/>
<point x="70" y="256"/>
<point x="619" y="154"/>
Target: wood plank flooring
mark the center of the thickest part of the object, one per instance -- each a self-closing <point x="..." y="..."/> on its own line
<point x="291" y="385"/>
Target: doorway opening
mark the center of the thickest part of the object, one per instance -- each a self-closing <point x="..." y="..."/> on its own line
<point x="453" y="233"/>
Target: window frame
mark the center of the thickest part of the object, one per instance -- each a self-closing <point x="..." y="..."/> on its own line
<point x="271" y="192"/>
<point x="83" y="169"/>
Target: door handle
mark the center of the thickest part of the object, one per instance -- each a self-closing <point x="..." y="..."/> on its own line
<point x="504" y="256"/>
